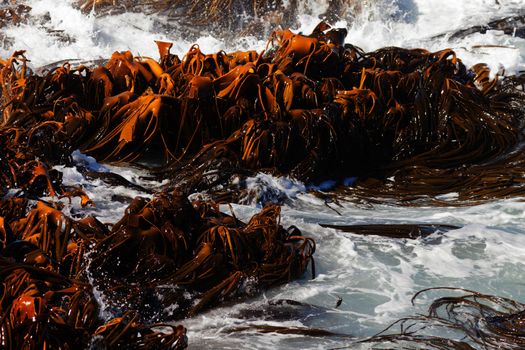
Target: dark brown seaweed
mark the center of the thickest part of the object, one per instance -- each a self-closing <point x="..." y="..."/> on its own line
<point x="411" y="231"/>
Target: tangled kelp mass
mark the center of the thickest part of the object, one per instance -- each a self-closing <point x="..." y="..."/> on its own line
<point x="311" y="107"/>
<point x="164" y="252"/>
<point x="167" y="243"/>
<point x="198" y="253"/>
<point x="314" y="108"/>
<point x="308" y="106"/>
<point x="488" y="321"/>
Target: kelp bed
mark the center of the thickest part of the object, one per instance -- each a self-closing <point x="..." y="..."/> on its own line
<point x="402" y="123"/>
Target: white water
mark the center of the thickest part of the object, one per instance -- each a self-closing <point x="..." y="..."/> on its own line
<point x="375" y="277"/>
<point x="406" y="23"/>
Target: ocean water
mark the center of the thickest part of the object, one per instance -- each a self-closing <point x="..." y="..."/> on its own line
<point x="374" y="277"/>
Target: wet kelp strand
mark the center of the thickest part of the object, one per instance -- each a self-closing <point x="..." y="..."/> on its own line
<point x="410" y="231"/>
<point x="487" y="321"/>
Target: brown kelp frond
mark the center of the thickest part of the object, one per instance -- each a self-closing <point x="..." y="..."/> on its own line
<point x="21" y="168"/>
<point x="196" y="249"/>
<point x="474" y="319"/>
<point x="127" y="332"/>
<point x="12" y="81"/>
<point x="142" y="123"/>
<point x="304" y="331"/>
<point x="43" y="308"/>
<point x="45" y="237"/>
<point x="411" y="231"/>
<point x="58" y="238"/>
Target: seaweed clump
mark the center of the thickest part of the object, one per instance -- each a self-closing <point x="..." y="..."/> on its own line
<point x="47" y="300"/>
<point x="403" y="123"/>
<point x="192" y="255"/>
<point x="479" y="320"/>
<point x="165" y="260"/>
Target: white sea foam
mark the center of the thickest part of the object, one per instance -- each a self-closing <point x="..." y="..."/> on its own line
<point x="407" y="23"/>
<point x="108" y="208"/>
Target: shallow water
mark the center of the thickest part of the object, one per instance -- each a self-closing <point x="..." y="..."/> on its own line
<point x="375" y="277"/>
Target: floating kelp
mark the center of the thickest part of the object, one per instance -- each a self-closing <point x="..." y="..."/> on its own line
<point x="411" y="231"/>
<point x="308" y="332"/>
<point x="488" y="321"/>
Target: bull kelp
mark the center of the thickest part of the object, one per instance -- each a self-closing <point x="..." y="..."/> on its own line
<point x="401" y="123"/>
